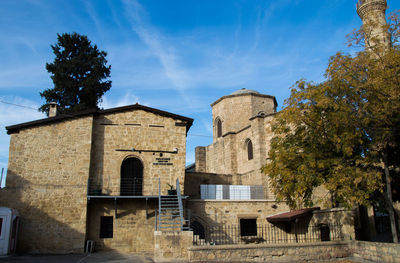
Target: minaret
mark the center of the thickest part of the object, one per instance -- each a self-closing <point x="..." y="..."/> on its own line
<point x="372" y="14"/>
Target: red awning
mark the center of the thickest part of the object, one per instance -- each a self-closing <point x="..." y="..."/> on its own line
<point x="292" y="215"/>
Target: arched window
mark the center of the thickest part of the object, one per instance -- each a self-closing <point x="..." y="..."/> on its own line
<point x="249" y="146"/>
<point x="218" y="124"/>
<point x="131" y="177"/>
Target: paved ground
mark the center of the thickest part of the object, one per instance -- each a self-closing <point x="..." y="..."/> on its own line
<point x="88" y="258"/>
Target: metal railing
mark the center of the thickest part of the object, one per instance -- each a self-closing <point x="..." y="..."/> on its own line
<point x="126" y="187"/>
<point x="267" y="234"/>
<point x="233" y="192"/>
<point x="178" y="192"/>
<point x="131" y="186"/>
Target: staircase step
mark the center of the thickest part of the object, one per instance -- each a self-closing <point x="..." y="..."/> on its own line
<point x="170" y="214"/>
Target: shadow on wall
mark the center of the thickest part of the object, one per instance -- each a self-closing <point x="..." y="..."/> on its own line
<point x="45" y="226"/>
<point x="132" y="228"/>
<point x="96" y="179"/>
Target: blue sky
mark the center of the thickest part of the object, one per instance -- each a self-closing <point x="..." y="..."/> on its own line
<point x="177" y="55"/>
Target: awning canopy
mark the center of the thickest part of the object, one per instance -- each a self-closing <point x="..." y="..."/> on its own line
<point x="292" y="215"/>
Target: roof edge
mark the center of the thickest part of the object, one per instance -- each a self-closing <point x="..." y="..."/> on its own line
<point x="245" y="94"/>
<point x="15" y="128"/>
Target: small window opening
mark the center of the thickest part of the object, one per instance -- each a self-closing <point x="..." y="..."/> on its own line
<point x="106" y="227"/>
<point x="248" y="227"/>
<point x="249" y="150"/>
<point x="219" y="128"/>
<point x="1" y="225"/>
<point x="198" y="229"/>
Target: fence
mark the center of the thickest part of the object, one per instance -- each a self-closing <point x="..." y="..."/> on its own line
<point x="231" y="192"/>
<point x="126" y="187"/>
<point x="267" y="234"/>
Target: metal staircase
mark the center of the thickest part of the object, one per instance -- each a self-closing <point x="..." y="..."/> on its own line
<point x="170" y="211"/>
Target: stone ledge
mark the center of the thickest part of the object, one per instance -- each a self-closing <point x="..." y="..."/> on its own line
<point x="236" y="201"/>
<point x="280" y="246"/>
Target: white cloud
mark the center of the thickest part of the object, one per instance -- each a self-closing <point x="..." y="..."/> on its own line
<point x="127" y="99"/>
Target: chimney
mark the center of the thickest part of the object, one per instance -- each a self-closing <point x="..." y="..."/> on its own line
<point x="52" y="109"/>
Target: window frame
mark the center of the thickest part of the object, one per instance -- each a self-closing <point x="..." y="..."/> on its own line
<point x="250" y="150"/>
<point x="218" y="127"/>
<point x="244" y="227"/>
<point x="105" y="227"/>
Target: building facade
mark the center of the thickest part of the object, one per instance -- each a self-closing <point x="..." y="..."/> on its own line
<point x="101" y="175"/>
<point x="94" y="175"/>
<point x="241" y="136"/>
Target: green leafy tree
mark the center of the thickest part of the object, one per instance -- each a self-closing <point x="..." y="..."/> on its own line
<point x="79" y="73"/>
<point x="342" y="134"/>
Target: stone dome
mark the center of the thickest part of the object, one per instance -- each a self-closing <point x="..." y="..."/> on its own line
<point x="245" y="91"/>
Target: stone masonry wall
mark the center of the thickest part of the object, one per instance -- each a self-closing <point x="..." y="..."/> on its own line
<point x="340" y="216"/>
<point x="236" y="110"/>
<point x="194" y="180"/>
<point x="46" y="182"/>
<point x="143" y="131"/>
<point x="270" y="253"/>
<point x="217" y="157"/>
<point x="305" y="252"/>
<point x="172" y="246"/>
<point x="132" y="228"/>
<point x="376" y="252"/>
<point x="234" y="113"/>
<point x="230" y="212"/>
<point x="200" y="157"/>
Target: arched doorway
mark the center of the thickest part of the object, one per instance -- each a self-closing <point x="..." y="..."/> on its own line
<point x="131" y="177"/>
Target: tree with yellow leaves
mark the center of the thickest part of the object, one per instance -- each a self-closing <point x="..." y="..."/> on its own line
<point x="343" y="133"/>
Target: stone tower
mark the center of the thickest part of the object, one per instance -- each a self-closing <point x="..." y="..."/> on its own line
<point x="372" y="14"/>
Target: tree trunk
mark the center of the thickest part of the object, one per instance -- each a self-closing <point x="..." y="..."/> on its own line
<point x="388" y="200"/>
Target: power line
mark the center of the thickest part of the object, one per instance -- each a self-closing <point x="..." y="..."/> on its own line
<point x="31" y="108"/>
<point x="18" y="105"/>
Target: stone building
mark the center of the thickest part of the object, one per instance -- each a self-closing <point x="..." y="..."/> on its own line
<point x="225" y="185"/>
<point x="94" y="175"/>
<point x="241" y="136"/>
<point x="103" y="175"/>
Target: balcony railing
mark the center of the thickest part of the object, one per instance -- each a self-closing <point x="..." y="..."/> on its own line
<point x="233" y="192"/>
<point x="127" y="187"/>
